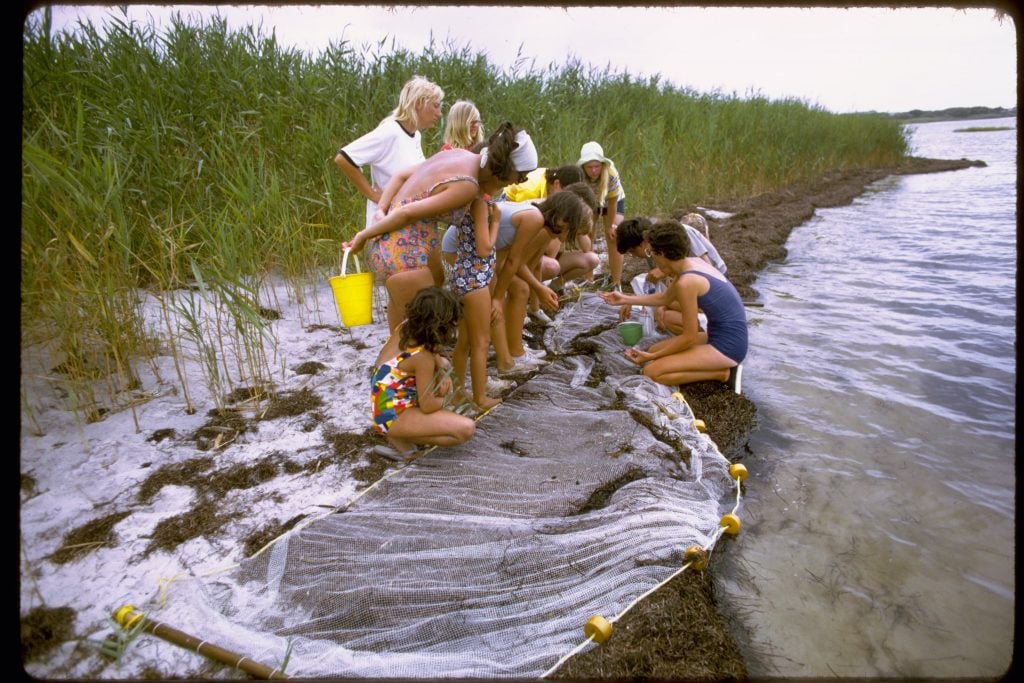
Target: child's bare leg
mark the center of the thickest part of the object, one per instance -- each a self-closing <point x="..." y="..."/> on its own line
<point x="440" y="428"/>
<point x="615" y="259"/>
<point x="578" y="265"/>
<point x="502" y="357"/>
<point x="515" y="310"/>
<point x="499" y="338"/>
<point x="671" y="321"/>
<point x="434" y="263"/>
<point x="695" y="364"/>
<point x="402" y="287"/>
<point x="476" y="323"/>
<point x="462" y="349"/>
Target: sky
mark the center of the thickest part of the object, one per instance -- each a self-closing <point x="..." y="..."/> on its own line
<point x="844" y="60"/>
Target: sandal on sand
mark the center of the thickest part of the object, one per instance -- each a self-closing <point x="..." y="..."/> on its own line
<point x="392" y="453"/>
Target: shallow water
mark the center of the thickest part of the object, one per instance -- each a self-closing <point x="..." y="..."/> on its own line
<point x="878" y="535"/>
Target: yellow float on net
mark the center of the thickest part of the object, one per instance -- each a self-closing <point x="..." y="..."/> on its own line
<point x="598" y="628"/>
<point x="737" y="471"/>
<point x="697" y="557"/>
<point x="731" y="523"/>
<point x="126" y="616"/>
<point x="701" y="427"/>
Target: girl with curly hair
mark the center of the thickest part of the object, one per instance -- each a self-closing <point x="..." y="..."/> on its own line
<point x="410" y="382"/>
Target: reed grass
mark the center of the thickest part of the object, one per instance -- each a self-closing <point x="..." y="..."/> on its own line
<point x="197" y="164"/>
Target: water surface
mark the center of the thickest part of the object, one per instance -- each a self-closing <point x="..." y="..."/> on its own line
<point x="878" y="534"/>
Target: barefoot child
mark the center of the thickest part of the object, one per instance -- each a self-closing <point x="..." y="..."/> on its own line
<point x="471" y="274"/>
<point x="407" y="401"/>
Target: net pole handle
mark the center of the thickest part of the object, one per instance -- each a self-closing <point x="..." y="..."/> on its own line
<point x="215" y="652"/>
<point x="209" y="650"/>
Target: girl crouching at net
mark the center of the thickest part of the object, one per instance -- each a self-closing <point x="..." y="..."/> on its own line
<point x="692" y="355"/>
<point x="411" y="379"/>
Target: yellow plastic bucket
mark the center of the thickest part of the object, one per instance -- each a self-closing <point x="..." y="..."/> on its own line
<point x="354" y="295"/>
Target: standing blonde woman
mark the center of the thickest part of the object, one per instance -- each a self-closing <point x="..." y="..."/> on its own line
<point x="394" y="144"/>
<point x="611" y="197"/>
<point x="464" y="127"/>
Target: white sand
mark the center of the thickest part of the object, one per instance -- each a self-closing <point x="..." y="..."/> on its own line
<point x="73" y="473"/>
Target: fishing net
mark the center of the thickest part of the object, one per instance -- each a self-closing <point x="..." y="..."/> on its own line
<point x="575" y="497"/>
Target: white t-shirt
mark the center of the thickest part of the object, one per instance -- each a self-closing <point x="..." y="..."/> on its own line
<point x="700" y="245"/>
<point x="387" y="149"/>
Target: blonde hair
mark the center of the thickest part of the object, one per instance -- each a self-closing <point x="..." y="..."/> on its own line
<point x="695" y="220"/>
<point x="415" y="90"/>
<point x="460" y="119"/>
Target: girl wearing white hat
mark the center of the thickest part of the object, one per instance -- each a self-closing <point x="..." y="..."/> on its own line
<point x="603" y="177"/>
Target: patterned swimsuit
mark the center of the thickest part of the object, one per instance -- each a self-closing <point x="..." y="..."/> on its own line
<point x="408" y="247"/>
<point x="471" y="271"/>
<point x="392" y="391"/>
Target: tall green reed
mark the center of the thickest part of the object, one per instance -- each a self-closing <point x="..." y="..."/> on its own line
<point x="156" y="161"/>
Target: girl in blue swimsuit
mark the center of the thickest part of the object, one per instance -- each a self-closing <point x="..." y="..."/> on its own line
<point x="693" y="355"/>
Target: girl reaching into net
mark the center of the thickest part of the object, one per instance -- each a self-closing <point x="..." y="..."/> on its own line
<point x="692" y="355"/>
<point x="410" y="383"/>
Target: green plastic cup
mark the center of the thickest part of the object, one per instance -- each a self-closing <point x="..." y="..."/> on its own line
<point x="631" y="332"/>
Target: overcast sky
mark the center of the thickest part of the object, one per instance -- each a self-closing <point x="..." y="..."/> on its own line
<point x="841" y="59"/>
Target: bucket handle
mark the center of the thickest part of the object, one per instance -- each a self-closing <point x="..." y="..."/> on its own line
<point x="344" y="263"/>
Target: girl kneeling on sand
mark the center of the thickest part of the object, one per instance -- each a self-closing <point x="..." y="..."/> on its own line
<point x="693" y="355"/>
<point x="407" y="399"/>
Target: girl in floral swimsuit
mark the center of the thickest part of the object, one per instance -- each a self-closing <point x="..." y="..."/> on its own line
<point x="471" y="274"/>
<point x="406" y="399"/>
<point x="409" y="247"/>
<point x="440" y="189"/>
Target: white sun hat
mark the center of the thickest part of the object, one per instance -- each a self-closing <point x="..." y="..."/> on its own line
<point x="592" y="152"/>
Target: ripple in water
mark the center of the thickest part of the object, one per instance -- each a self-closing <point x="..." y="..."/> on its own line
<point x="883" y="367"/>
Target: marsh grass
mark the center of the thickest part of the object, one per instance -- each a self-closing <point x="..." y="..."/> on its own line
<point x="197" y="163"/>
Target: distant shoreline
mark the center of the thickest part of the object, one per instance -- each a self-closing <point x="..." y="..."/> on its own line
<point x="954" y="114"/>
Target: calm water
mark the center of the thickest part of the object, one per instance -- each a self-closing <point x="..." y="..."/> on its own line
<point x="878" y="534"/>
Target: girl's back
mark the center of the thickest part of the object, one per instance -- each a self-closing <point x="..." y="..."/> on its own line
<point x="442" y="166"/>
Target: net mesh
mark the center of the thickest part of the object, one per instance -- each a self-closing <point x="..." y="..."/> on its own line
<point x="578" y="494"/>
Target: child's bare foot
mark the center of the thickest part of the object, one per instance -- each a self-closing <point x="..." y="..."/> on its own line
<point x="401" y="445"/>
<point x="486" y="402"/>
<point x="458" y="397"/>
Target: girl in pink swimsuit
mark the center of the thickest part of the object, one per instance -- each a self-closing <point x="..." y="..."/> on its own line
<point x="409" y="247"/>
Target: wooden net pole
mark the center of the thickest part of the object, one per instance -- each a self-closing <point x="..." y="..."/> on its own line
<point x="127" y="616"/>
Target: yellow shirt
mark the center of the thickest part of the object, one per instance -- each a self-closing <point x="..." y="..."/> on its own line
<point x="534" y="187"/>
